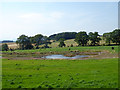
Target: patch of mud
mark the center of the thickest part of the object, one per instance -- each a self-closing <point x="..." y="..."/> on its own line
<point x="92" y="55"/>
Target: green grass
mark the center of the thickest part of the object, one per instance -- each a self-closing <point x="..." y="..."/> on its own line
<point x="100" y="73"/>
<point x="71" y="41"/>
<point x="59" y="49"/>
<point x="60" y="73"/>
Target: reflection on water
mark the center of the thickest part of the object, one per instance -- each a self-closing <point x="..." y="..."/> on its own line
<point x="63" y="57"/>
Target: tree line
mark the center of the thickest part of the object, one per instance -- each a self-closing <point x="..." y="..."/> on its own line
<point x="26" y="42"/>
<point x="113" y="36"/>
<point x="82" y="39"/>
<point x="64" y="35"/>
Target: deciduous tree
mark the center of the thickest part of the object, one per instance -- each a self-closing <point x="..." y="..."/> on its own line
<point x="82" y="38"/>
<point x="24" y="42"/>
<point x="94" y="38"/>
<point x="61" y="44"/>
<point x="116" y="36"/>
<point x="107" y="37"/>
<point x="5" y="47"/>
<point x="38" y="39"/>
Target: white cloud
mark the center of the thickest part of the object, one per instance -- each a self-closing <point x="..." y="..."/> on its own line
<point x="31" y="15"/>
<point x="56" y="14"/>
<point x="41" y="18"/>
<point x="13" y="25"/>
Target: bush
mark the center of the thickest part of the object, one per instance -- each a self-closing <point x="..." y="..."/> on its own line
<point x="62" y="44"/>
<point x="29" y="46"/>
<point x="71" y="45"/>
<point x="5" y="47"/>
<point x="37" y="47"/>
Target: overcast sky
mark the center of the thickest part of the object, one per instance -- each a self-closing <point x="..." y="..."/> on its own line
<point x="47" y="18"/>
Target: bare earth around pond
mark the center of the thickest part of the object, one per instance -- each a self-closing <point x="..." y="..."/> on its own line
<point x="37" y="55"/>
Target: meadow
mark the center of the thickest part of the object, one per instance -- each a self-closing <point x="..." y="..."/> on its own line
<point x="60" y="73"/>
<point x="35" y="73"/>
<point x="13" y="45"/>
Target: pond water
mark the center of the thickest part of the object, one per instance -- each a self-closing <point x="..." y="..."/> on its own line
<point x="63" y="57"/>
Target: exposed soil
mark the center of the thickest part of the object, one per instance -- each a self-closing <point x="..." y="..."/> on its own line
<point x="103" y="55"/>
<point x="37" y="56"/>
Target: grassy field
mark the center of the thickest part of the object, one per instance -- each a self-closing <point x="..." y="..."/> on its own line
<point x="90" y="73"/>
<point x="60" y="73"/>
<point x="81" y="48"/>
<point x="13" y="45"/>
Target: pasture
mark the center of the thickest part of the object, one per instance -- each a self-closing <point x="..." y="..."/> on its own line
<point x="37" y="73"/>
<point x="55" y="44"/>
<point x="60" y="73"/>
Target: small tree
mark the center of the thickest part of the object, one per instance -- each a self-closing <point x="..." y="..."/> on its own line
<point x="5" y="47"/>
<point x="45" y="40"/>
<point x="61" y="44"/>
<point x="115" y="35"/>
<point x="107" y="37"/>
<point x="71" y="45"/>
<point x="37" y="39"/>
<point x="94" y="38"/>
<point x="24" y="42"/>
<point x="82" y="38"/>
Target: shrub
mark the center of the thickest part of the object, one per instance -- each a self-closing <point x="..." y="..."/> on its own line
<point x="71" y="45"/>
<point x="5" y="47"/>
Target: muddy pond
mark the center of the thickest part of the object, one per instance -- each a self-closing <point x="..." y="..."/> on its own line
<point x="63" y="57"/>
